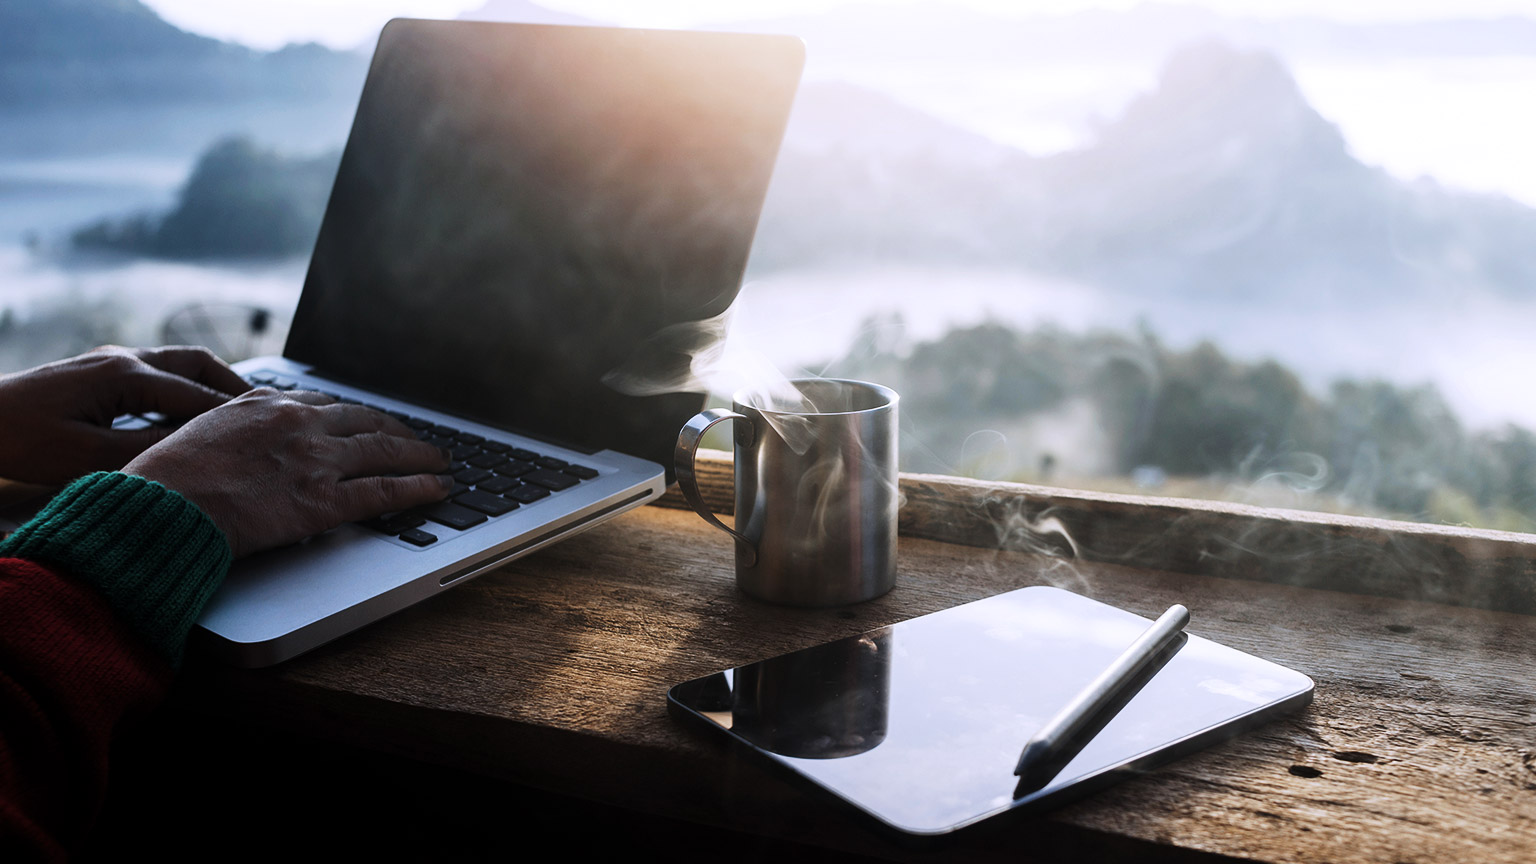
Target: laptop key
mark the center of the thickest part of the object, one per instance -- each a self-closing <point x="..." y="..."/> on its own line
<point x="498" y="485"/>
<point x="417" y="537"/>
<point x="470" y="476"/>
<point x="454" y="516"/>
<point x="515" y="468"/>
<point x="552" y="463"/>
<point x="488" y="460"/>
<point x="396" y="523"/>
<point x="552" y="480"/>
<point x="525" y="455"/>
<point x="581" y="472"/>
<point x="485" y="502"/>
<point x="528" y="494"/>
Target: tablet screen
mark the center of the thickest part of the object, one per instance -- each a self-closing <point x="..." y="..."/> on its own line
<point x="921" y="724"/>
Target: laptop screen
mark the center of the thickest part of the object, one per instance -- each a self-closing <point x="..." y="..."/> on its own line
<point x="520" y="209"/>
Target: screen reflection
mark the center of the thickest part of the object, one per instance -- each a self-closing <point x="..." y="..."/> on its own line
<point x="826" y="702"/>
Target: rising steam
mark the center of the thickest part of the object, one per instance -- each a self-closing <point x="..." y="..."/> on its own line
<point x="709" y="356"/>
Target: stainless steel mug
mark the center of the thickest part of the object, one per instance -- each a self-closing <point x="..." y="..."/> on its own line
<point x="816" y="490"/>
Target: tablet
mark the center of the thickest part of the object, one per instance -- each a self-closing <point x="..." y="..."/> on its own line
<point x="919" y="725"/>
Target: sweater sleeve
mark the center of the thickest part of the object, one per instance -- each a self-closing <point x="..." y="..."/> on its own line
<point x="154" y="554"/>
<point x="97" y="597"/>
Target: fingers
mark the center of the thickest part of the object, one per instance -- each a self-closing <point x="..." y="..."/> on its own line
<point x="346" y="419"/>
<point x="195" y="364"/>
<point x="373" y="453"/>
<point x="169" y="394"/>
<point x="179" y="381"/>
<point x="366" y="497"/>
<point x="359" y="440"/>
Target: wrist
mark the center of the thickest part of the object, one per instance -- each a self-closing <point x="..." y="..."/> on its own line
<point x="155" y="556"/>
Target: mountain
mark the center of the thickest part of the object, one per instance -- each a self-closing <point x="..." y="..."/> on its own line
<point x="835" y="115"/>
<point x="65" y="31"/>
<point x="115" y="52"/>
<point x="241" y="201"/>
<point x="525" y="12"/>
<point x="933" y="32"/>
<point x="864" y="177"/>
<point x="1224" y="182"/>
<point x="1220" y="183"/>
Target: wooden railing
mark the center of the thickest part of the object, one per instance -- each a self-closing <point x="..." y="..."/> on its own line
<point x="1406" y="560"/>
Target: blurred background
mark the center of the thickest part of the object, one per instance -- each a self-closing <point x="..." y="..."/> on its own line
<point x="1280" y="253"/>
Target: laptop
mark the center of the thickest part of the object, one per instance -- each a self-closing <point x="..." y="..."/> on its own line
<point x="520" y="210"/>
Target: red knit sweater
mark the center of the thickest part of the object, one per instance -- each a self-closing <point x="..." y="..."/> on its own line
<point x="72" y="675"/>
<point x="97" y="596"/>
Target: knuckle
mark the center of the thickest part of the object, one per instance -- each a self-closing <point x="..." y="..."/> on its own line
<point x="390" y="447"/>
<point x="261" y="393"/>
<point x="117" y="362"/>
<point x="395" y="493"/>
<point x="290" y="411"/>
<point x="361" y="499"/>
<point x="316" y="450"/>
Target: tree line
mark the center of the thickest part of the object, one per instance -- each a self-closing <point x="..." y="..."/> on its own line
<point x="1070" y="407"/>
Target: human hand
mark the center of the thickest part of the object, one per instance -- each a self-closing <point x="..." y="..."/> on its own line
<point x="271" y="468"/>
<point x="56" y="419"/>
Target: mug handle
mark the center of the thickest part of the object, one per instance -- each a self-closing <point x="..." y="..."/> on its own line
<point x="684" y="456"/>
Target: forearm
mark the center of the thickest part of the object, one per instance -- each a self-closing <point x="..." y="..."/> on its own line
<point x="97" y="596"/>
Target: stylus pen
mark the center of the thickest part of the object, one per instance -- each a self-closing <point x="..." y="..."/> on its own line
<point x="1044" y="748"/>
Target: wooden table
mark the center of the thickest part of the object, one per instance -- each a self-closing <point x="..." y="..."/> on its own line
<point x="1420" y="745"/>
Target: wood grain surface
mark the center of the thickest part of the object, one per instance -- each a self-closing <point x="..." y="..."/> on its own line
<point x="1420" y="745"/>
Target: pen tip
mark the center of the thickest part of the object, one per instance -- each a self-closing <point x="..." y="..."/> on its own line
<point x="1030" y="759"/>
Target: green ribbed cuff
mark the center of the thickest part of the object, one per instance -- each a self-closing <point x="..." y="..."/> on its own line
<point x="154" y="554"/>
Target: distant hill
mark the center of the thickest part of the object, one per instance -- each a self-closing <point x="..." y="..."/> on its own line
<point x="241" y="202"/>
<point x="64" y="31"/>
<point x="525" y="12"/>
<point x="83" y="52"/>
<point x="1224" y="182"/>
<point x="835" y="115"/>
<point x="1220" y="183"/>
<point x="925" y="33"/>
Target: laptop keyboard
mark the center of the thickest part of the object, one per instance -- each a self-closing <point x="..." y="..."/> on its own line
<point x="491" y="478"/>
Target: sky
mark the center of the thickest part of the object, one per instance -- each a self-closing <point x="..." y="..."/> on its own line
<point x="271" y="24"/>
